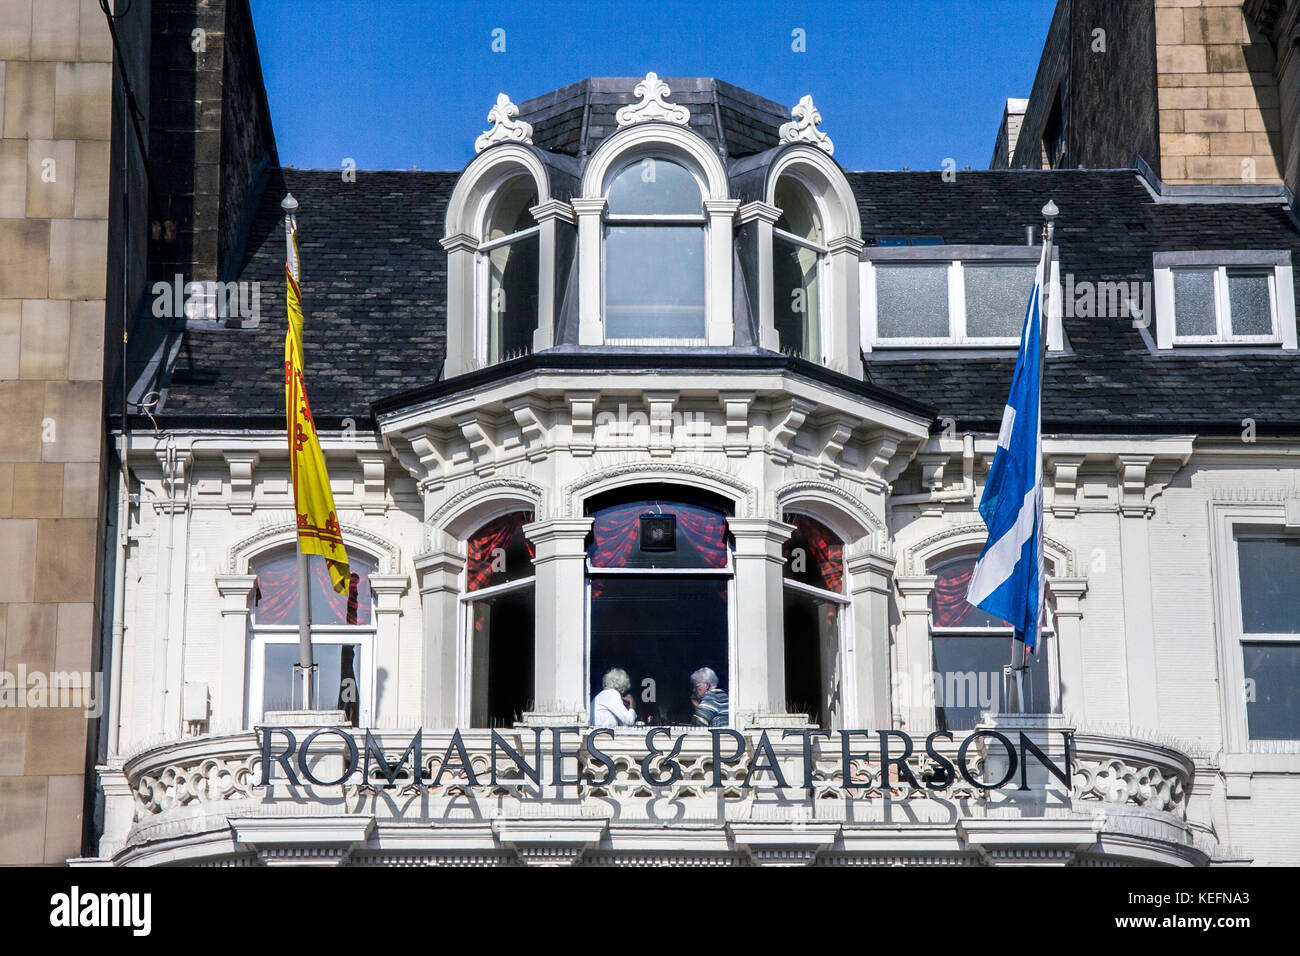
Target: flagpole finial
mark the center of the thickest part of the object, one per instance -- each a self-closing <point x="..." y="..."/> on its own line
<point x="289" y="204"/>
<point x="1050" y="211"/>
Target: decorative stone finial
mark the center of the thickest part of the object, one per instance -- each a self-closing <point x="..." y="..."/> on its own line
<point x="652" y="91"/>
<point x="505" y="128"/>
<point x="804" y="128"/>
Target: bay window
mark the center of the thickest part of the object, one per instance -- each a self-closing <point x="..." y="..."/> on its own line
<point x="508" y="264"/>
<point x="815" y="606"/>
<point x="798" y="261"/>
<point x="654" y="262"/>
<point x="659" y="572"/>
<point x="497" y="652"/>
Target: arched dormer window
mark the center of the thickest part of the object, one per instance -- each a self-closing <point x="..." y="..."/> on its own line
<point x="507" y="265"/>
<point x="654" y="253"/>
<point x="808" y="236"/>
<point x="799" y="259"/>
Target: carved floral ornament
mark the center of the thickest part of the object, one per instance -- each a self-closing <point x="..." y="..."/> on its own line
<point x="804" y="127"/>
<point x="652" y="91"/>
<point x="505" y="128"/>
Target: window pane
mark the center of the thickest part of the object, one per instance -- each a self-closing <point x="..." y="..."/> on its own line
<point x="338" y="670"/>
<point x="912" y="301"/>
<point x="510" y="208"/>
<point x="1248" y="301"/>
<point x="1272" y="704"/>
<point x="654" y="282"/>
<point x="814" y="554"/>
<point x="654" y="186"/>
<point x="502" y="647"/>
<point x="512" y="298"/>
<point x="948" y="604"/>
<point x="1194" y="302"/>
<point x="996" y="298"/>
<point x="798" y="213"/>
<point x="276" y="597"/>
<point x="700" y="536"/>
<point x="795" y="290"/>
<point x="499" y="552"/>
<point x="812" y="677"/>
<point x="660" y="630"/>
<point x="968" y="679"/>
<point x="1270" y="568"/>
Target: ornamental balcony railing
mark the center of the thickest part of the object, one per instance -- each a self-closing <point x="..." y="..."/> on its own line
<point x="1129" y="787"/>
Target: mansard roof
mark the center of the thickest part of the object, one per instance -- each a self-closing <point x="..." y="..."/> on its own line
<point x="577" y="118"/>
<point x="374" y="288"/>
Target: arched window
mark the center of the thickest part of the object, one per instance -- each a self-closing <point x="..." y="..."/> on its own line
<point x="508" y="262"/>
<point x="497" y="655"/>
<point x="970" y="647"/>
<point x="815" y="606"/>
<point x="658" y="572"/>
<point x="654" y="253"/>
<point x="342" y="637"/>
<point x="798" y="261"/>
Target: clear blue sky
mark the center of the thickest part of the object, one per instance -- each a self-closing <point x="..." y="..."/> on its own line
<point x="401" y="83"/>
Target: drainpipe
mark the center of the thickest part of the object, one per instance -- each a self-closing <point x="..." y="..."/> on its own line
<point x="965" y="493"/>
<point x="119" y="602"/>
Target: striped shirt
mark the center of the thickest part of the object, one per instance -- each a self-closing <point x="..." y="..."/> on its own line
<point x="712" y="711"/>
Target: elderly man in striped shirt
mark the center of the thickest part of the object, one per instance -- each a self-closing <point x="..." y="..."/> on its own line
<point x="710" y="700"/>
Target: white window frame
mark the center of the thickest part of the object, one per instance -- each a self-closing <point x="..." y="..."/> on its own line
<point x="821" y="348"/>
<point x="956" y="258"/>
<point x="465" y="629"/>
<point x="728" y="572"/>
<point x="700" y="220"/>
<point x="1230" y="523"/>
<point x="1281" y="288"/>
<point x="1048" y="646"/>
<point x="265" y="635"/>
<point x="482" y="330"/>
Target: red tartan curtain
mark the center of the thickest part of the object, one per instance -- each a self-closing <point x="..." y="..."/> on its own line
<point x="948" y="601"/>
<point x="706" y="531"/>
<point x="482" y="547"/>
<point x="824" y="547"/>
<point x="276" y="597"/>
<point x="615" y="534"/>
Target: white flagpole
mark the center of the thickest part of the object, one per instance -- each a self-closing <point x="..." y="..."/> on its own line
<point x="1045" y="290"/>
<point x="306" y="666"/>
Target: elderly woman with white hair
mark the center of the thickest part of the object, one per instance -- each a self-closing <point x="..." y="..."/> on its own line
<point x="613" y="706"/>
<point x="709" y="699"/>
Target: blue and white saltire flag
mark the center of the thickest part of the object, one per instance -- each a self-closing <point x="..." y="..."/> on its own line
<point x="1008" y="578"/>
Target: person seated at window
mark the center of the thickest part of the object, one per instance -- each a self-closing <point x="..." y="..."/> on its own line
<point x="709" y="699"/>
<point x="613" y="706"/>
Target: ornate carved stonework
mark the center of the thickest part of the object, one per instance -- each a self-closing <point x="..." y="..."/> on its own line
<point x="505" y="128"/>
<point x="652" y="91"/>
<point x="804" y="127"/>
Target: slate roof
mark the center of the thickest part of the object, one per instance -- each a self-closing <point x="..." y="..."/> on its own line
<point x="374" y="289"/>
<point x="575" y="119"/>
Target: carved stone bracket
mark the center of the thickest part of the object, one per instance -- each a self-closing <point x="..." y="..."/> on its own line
<point x="241" y="480"/>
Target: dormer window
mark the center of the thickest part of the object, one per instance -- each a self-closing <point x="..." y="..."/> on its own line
<point x="955" y="295"/>
<point x="654" y="254"/>
<point x="508" y="261"/>
<point x="799" y="256"/>
<point x="1224" y="298"/>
